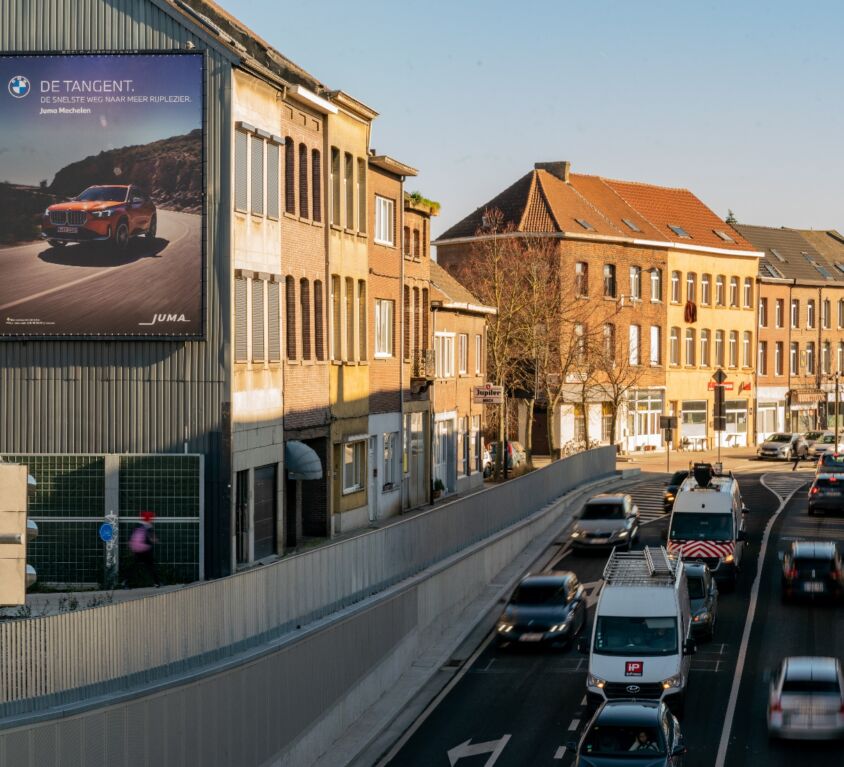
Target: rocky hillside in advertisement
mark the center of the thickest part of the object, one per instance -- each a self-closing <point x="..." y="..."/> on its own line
<point x="22" y="206"/>
<point x="169" y="169"/>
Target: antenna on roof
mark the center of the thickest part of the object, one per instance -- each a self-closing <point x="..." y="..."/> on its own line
<point x="703" y="474"/>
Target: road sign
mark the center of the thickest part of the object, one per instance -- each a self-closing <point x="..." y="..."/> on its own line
<point x="106" y="532"/>
<point x="727" y="385"/>
<point x="668" y="422"/>
<point x="488" y="394"/>
<point x="719" y="376"/>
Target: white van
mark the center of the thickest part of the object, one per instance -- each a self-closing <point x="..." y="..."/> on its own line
<point x="707" y="523"/>
<point x="641" y="642"/>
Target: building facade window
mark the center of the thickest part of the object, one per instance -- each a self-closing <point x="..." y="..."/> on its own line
<point x="763" y="312"/>
<point x="257" y="176"/>
<point x="634" y="345"/>
<point x="417" y="324"/>
<point x="690" y="346"/>
<point x="840" y="367"/>
<point x="826" y="314"/>
<point x="656" y="284"/>
<point x="779" y="312"/>
<point x="810" y="358"/>
<point x="794" y="358"/>
<point x="778" y="361"/>
<point x="273" y="322"/>
<point x="334" y="213"/>
<point x="579" y="423"/>
<point x="349" y="190"/>
<point x="319" y="322"/>
<point x="636" y="282"/>
<point x="762" y="358"/>
<point x="826" y="358"/>
<point x="384" y="220"/>
<point x="733" y="348"/>
<point x="691" y="286"/>
<point x="353" y="461"/>
<point x="463" y="354"/>
<point x="391" y="461"/>
<point x="810" y="313"/>
<point x="406" y="325"/>
<point x="706" y="289"/>
<point x="580" y="343"/>
<point x="290" y="316"/>
<point x="704" y="348"/>
<point x="241" y="321"/>
<point x="748" y="293"/>
<point x="444" y="355"/>
<point x="241" y="188"/>
<point x="795" y="313"/>
<point x="719" y="348"/>
<point x="581" y="279"/>
<point x="290" y="175"/>
<point x="609" y="342"/>
<point x="336" y="319"/>
<point x="656" y="345"/>
<point x="609" y="280"/>
<point x="478" y="354"/>
<point x="734" y="297"/>
<point x="273" y="170"/>
<point x="363" y="326"/>
<point x="361" y="186"/>
<point x="841" y="312"/>
<point x="305" y="311"/>
<point x="719" y="290"/>
<point x="304" y="207"/>
<point x="746" y="349"/>
<point x="316" y="184"/>
<point x="674" y="346"/>
<point x="350" y="319"/>
<point x="384" y="313"/>
<point x="675" y="287"/>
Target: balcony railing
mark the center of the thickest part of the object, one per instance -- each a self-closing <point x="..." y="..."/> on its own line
<point x="423" y="364"/>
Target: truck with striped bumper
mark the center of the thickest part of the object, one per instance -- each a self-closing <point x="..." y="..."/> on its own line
<point x="707" y="523"/>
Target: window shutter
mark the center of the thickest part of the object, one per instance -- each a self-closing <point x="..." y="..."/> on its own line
<point x="316" y="185"/>
<point x="424" y="318"/>
<point x="241" y="201"/>
<point x="319" y="322"/>
<point x="406" y="323"/>
<point x="258" y="354"/>
<point x="303" y="181"/>
<point x="257" y="175"/>
<point x="361" y="196"/>
<point x="289" y="175"/>
<point x="305" y="301"/>
<point x="240" y="321"/>
<point x="362" y="324"/>
<point x="273" y="322"/>
<point x="272" y="180"/>
<point x="290" y="316"/>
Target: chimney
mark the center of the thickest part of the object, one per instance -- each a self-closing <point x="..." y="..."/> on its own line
<point x="560" y="169"/>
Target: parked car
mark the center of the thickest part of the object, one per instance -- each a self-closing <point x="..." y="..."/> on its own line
<point x="671" y="488"/>
<point x="516" y="455"/>
<point x="488" y="463"/>
<point x="783" y="445"/>
<point x="806" y="699"/>
<point x="826" y="495"/>
<point x="813" y="436"/>
<point x="825" y="444"/>
<point x="703" y="599"/>
<point x="113" y="213"/>
<point x="637" y="732"/>
<point x="606" y="521"/>
<point x="812" y="570"/>
<point x="544" y="609"/>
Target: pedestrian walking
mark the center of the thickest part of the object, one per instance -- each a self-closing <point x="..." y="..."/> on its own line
<point x="142" y="543"/>
<point x="796" y="460"/>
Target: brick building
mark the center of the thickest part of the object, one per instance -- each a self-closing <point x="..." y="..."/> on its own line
<point x="458" y="324"/>
<point x="800" y="319"/>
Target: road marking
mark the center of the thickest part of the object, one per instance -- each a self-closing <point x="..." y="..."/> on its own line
<point x="583" y="702"/>
<point x="467" y="748"/>
<point x="561" y="752"/>
<point x="574" y="724"/>
<point x="748" y="624"/>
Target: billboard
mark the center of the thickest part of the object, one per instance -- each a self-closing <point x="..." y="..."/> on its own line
<point x="102" y="193"/>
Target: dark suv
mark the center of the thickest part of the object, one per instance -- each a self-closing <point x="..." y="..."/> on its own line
<point x="826" y="495"/>
<point x="812" y="570"/>
<point x="671" y="488"/>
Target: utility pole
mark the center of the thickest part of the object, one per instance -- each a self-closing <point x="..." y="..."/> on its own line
<point x="837" y="405"/>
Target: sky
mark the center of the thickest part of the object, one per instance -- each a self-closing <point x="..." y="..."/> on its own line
<point x="34" y="146"/>
<point x="737" y="100"/>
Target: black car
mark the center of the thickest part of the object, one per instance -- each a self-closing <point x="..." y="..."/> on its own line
<point x="812" y="570"/>
<point x="671" y="488"/>
<point x="623" y="732"/>
<point x="544" y="609"/>
<point x="831" y="463"/>
<point x="826" y="495"/>
<point x="703" y="599"/>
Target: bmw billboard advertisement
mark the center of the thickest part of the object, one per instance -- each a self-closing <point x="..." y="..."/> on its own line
<point x="102" y="195"/>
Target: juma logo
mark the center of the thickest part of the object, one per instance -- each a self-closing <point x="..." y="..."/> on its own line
<point x="19" y="86"/>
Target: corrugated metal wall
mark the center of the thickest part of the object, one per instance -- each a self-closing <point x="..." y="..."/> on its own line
<point x="131" y="396"/>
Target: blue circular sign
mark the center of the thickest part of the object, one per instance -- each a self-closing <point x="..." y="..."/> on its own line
<point x="19" y="86"/>
<point x="106" y="532"/>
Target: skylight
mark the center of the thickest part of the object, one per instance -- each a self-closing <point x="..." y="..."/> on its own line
<point x="585" y="224"/>
<point x="777" y="255"/>
<point x="723" y="235"/>
<point x="839" y="266"/>
<point x="631" y="225"/>
<point x="771" y="270"/>
<point x="680" y="232"/>
<point x="822" y="270"/>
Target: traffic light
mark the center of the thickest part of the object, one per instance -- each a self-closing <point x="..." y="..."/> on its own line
<point x="15" y="574"/>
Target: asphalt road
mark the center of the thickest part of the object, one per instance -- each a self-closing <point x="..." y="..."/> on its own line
<point x="89" y="289"/>
<point x="519" y="707"/>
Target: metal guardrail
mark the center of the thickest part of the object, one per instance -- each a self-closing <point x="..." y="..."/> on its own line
<point x="61" y="659"/>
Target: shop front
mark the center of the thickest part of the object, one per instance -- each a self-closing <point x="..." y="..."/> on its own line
<point x="644" y="408"/>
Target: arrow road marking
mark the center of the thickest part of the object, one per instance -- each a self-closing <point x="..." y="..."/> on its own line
<point x="467" y="748"/>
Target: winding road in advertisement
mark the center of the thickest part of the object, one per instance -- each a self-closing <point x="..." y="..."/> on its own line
<point x="150" y="288"/>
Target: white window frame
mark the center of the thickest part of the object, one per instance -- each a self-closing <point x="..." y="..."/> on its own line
<point x="385" y="312"/>
<point x="674" y="346"/>
<point x="691" y="287"/>
<point x="720" y="298"/>
<point x="391" y="462"/>
<point x="635" y="345"/>
<point x="746" y="348"/>
<point x="357" y="452"/>
<point x="705" y="289"/>
<point x="720" y="357"/>
<point x="384" y="221"/>
<point x="779" y="312"/>
<point x="656" y="285"/>
<point x="444" y="354"/>
<point x="810" y="314"/>
<point x="734" y="292"/>
<point x="762" y="358"/>
<point x="704" y="348"/>
<point x="763" y="312"/>
<point x="733" y="350"/>
<point x="795" y="313"/>
<point x="794" y="358"/>
<point x="656" y="345"/>
<point x="748" y="293"/>
<point x="462" y="353"/>
<point x="690" y="343"/>
<point x="478" y="354"/>
<point x="675" y="287"/>
<point x="636" y="282"/>
<point x="778" y="355"/>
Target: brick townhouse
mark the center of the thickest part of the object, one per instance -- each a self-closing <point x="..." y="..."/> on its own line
<point x="800" y="331"/>
<point x="635" y="254"/>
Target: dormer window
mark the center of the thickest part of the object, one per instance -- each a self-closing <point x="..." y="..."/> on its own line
<point x="723" y="235"/>
<point x="680" y="232"/>
<point x="585" y="224"/>
<point x="630" y="225"/>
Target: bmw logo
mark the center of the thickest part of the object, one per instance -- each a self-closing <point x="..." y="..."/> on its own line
<point x="633" y="688"/>
<point x="19" y="86"/>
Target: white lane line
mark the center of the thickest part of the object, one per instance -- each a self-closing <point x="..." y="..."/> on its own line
<point x="583" y="702"/>
<point x="574" y="724"/>
<point x="561" y="752"/>
<point x="748" y="624"/>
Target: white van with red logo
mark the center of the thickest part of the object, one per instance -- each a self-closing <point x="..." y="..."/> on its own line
<point x="707" y="523"/>
<point x="641" y="644"/>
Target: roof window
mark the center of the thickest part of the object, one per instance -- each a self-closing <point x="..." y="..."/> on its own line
<point x="723" y="235"/>
<point x="585" y="224"/>
<point x="822" y="270"/>
<point x="631" y="225"/>
<point x="679" y="231"/>
<point x="777" y="255"/>
<point x="839" y="266"/>
<point x="770" y="270"/>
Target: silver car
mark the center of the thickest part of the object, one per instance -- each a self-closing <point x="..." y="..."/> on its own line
<point x="783" y="445"/>
<point x="826" y="444"/>
<point x="607" y="520"/>
<point x="806" y="700"/>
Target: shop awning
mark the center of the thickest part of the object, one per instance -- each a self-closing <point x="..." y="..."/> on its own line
<point x="808" y="395"/>
<point x="301" y="461"/>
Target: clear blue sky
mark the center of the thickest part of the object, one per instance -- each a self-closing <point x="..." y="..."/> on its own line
<point x="738" y="101"/>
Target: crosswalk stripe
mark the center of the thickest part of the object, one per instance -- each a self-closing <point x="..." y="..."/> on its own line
<point x="647" y="495"/>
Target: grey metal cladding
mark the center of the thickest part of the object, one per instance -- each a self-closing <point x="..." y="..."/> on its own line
<point x="241" y="344"/>
<point x="258" y="320"/>
<point x="131" y="396"/>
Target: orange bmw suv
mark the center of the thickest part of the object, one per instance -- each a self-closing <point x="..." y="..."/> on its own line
<point x="100" y="213"/>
